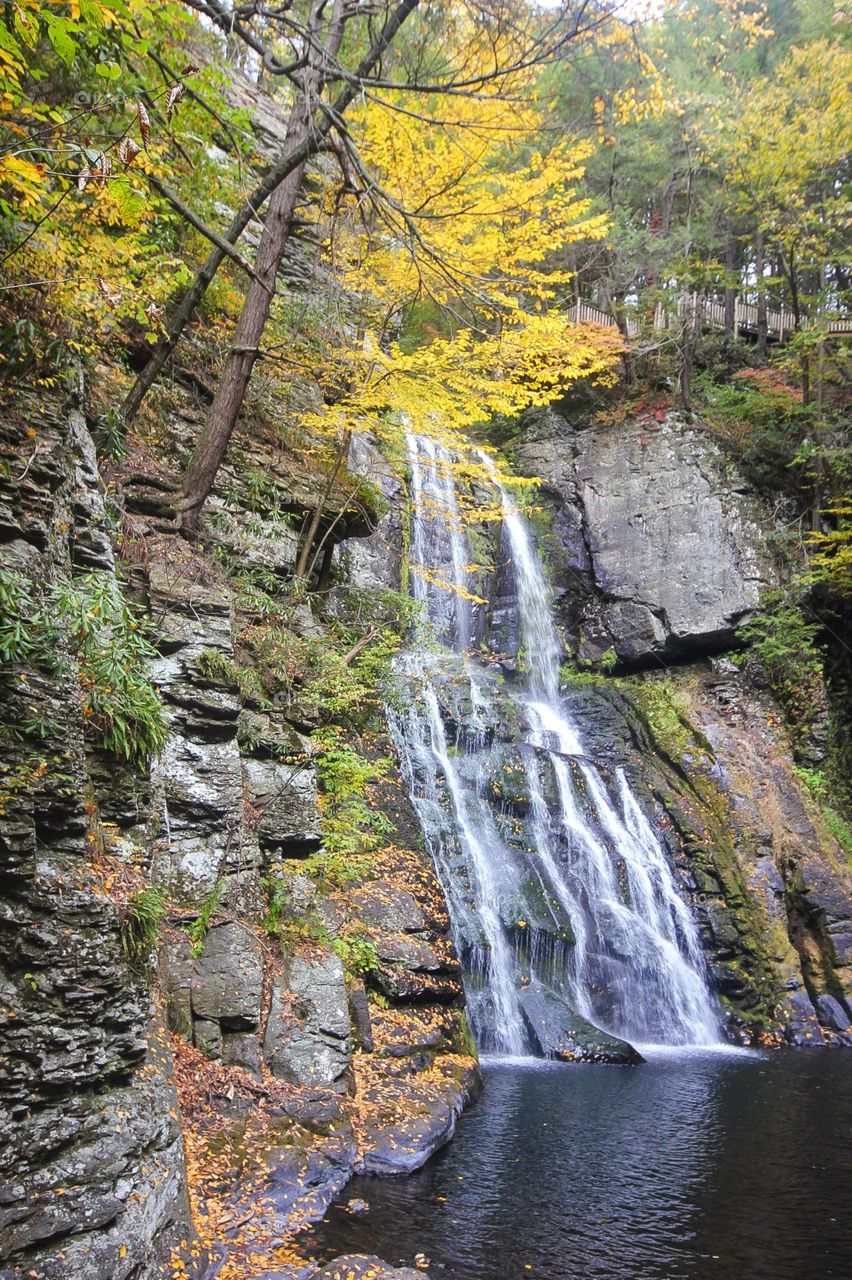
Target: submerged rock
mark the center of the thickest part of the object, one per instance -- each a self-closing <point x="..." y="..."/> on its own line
<point x="559" y="1032"/>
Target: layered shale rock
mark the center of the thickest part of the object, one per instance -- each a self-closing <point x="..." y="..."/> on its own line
<point x="95" y="1184"/>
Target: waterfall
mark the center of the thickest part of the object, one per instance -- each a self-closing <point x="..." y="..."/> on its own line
<point x="563" y="893"/>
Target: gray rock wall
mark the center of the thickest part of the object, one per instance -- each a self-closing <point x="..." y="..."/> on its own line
<point x="94" y="1182"/>
<point x="92" y="1163"/>
<point x="659" y="548"/>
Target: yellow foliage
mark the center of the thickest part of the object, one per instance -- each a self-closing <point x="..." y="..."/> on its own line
<point x="447" y="387"/>
<point x="780" y="147"/>
<point x="473" y="205"/>
<point x="831" y="561"/>
<point x="471" y="217"/>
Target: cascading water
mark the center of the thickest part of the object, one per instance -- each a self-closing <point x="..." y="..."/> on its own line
<point x="564" y="896"/>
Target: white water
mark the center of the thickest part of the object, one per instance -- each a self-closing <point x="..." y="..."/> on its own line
<point x="633" y="964"/>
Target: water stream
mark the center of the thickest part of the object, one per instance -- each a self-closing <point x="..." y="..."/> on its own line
<point x="564" y="900"/>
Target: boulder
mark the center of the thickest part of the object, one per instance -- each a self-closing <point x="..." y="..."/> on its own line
<point x="663" y="545"/>
<point x="801" y="1027"/>
<point x="559" y="1032"/>
<point x="285" y="797"/>
<point x="308" y="1037"/>
<point x="359" y="1013"/>
<point x="385" y="906"/>
<point x="408" y="1117"/>
<point x="414" y="969"/>
<point x="832" y="1013"/>
<point x="242" y="1049"/>
<point x="227" y="981"/>
<point x="363" y="1266"/>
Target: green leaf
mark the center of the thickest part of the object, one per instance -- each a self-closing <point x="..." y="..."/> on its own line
<point x="9" y="43"/>
<point x="59" y="31"/>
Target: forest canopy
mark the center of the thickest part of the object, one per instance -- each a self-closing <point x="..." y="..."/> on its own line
<point x="407" y="205"/>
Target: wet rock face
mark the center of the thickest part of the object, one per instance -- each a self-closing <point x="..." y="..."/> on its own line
<point x="91" y="1171"/>
<point x="364" y="1266"/>
<point x="766" y="879"/>
<point x="660" y="547"/>
<point x="375" y="563"/>
<point x="558" y="1032"/>
<point x="92" y="1182"/>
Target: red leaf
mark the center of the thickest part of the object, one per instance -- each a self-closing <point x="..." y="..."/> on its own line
<point x="127" y="151"/>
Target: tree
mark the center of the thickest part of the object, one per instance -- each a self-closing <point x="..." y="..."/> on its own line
<point x="784" y="147"/>
<point x="493" y="45"/>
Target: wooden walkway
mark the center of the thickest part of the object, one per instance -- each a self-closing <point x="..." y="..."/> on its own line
<point x="779" y="324"/>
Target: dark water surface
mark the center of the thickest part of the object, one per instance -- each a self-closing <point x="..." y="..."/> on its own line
<point x="697" y="1166"/>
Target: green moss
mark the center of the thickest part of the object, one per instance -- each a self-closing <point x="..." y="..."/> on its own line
<point x="839" y="828"/>
<point x="582" y="672"/>
<point x="463" y="1041"/>
<point x="700" y="813"/>
<point x="818" y="786"/>
<point x="664" y="710"/>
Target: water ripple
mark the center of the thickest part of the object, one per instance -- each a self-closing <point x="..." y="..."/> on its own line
<point x="699" y="1165"/>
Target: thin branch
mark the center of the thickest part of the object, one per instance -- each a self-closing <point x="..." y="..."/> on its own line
<point x="208" y="232"/>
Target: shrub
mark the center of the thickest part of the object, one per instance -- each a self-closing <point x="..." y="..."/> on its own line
<point x="764" y="421"/>
<point x="784" y="641"/>
<point x="358" y="954"/>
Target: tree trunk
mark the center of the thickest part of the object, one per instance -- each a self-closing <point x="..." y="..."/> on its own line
<point x="762" y="329"/>
<point x="304" y="562"/>
<point x="796" y="303"/>
<point x="293" y="158"/>
<point x="230" y="393"/>
<point x="689" y="342"/>
<point x="730" y="292"/>
<point x="325" y="571"/>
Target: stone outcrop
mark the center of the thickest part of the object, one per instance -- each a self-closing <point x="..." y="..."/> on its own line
<point x="95" y="1185"/>
<point x="375" y="563"/>
<point x="560" y="1033"/>
<point x="92" y="1166"/>
<point x="659" y="550"/>
<point x="658" y="546"/>
<point x="308" y="1033"/>
<point x="364" y="1266"/>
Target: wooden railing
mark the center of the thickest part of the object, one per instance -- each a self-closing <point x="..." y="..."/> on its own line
<point x="779" y="323"/>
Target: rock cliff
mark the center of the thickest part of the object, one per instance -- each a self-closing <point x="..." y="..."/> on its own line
<point x="299" y="1020"/>
<point x="659" y="550"/>
<point x="333" y="995"/>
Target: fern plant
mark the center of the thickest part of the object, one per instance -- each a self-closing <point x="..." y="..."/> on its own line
<point x="89" y="619"/>
<point x="200" y="926"/>
<point x="142" y="923"/>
